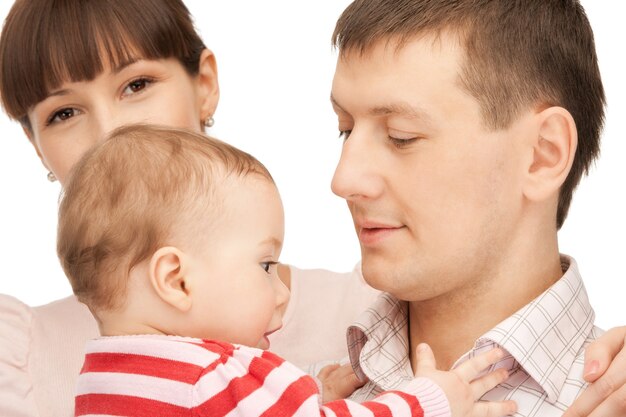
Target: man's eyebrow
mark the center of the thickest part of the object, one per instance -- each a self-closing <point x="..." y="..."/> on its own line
<point x="335" y="104"/>
<point x="403" y="109"/>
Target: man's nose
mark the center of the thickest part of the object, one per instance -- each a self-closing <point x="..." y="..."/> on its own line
<point x="358" y="172"/>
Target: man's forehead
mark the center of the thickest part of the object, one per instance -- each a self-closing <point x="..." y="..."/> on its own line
<point x="438" y="41"/>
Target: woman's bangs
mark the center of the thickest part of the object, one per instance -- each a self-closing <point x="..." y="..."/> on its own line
<point x="77" y="40"/>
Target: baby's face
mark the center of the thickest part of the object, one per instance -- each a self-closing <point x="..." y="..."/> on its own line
<point x="237" y="293"/>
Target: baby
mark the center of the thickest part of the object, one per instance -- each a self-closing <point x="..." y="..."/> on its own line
<point x="171" y="238"/>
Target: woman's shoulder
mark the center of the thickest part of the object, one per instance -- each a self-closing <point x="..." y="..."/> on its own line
<point x="41" y="353"/>
<point x="16" y="397"/>
<point x="19" y="320"/>
<point x="15" y="321"/>
<point x="67" y="310"/>
<point x="24" y="329"/>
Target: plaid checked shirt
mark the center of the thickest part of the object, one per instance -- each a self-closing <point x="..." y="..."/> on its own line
<point x="545" y="342"/>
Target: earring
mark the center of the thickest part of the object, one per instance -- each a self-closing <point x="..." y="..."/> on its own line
<point x="209" y="121"/>
<point x="51" y="177"/>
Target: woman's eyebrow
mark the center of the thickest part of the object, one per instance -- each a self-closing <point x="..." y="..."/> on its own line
<point x="116" y="70"/>
<point x="123" y="65"/>
<point x="57" y="93"/>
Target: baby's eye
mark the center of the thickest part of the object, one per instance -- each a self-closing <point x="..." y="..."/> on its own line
<point x="137" y="85"/>
<point x="62" y="115"/>
<point x="345" y="134"/>
<point x="267" y="266"/>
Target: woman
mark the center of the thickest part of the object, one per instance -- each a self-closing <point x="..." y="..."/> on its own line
<point x="84" y="72"/>
<point x="132" y="61"/>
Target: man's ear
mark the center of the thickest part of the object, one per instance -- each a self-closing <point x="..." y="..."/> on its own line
<point x="208" y="86"/>
<point x="167" y="271"/>
<point x="554" y="147"/>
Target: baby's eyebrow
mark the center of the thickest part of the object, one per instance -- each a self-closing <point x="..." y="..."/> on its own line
<point x="274" y="241"/>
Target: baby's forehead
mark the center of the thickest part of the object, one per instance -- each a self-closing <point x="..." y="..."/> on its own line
<point x="250" y="182"/>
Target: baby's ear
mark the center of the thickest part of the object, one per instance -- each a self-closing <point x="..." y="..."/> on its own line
<point x="167" y="277"/>
<point x="554" y="147"/>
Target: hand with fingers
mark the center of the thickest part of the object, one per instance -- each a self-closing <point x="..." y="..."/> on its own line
<point x="338" y="382"/>
<point x="463" y="387"/>
<point x="605" y="368"/>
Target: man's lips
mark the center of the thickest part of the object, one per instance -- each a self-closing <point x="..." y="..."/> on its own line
<point x="371" y="233"/>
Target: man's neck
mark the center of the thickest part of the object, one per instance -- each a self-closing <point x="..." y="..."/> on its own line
<point x="452" y="322"/>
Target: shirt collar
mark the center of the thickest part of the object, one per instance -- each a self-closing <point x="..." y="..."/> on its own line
<point x="378" y="343"/>
<point x="543" y="337"/>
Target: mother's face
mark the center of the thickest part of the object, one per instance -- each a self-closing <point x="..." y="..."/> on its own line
<point x="78" y="115"/>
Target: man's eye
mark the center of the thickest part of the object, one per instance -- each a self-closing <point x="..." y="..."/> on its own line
<point x="400" y="143"/>
<point x="62" y="115"/>
<point x="137" y="85"/>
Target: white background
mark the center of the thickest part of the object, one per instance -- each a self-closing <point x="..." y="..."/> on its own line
<point x="276" y="67"/>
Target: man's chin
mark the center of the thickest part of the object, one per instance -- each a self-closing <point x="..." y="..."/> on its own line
<point x="379" y="275"/>
<point x="393" y="278"/>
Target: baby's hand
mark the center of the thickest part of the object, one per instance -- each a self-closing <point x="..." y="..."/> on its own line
<point x="461" y="386"/>
<point x="338" y="382"/>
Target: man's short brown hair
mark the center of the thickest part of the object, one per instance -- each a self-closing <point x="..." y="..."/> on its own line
<point x="518" y="54"/>
<point x="145" y="187"/>
<point x="45" y="43"/>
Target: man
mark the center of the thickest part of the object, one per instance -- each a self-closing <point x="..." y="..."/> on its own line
<point x="467" y="127"/>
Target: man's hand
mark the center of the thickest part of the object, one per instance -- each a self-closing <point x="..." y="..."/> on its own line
<point x="605" y="367"/>
<point x="338" y="382"/>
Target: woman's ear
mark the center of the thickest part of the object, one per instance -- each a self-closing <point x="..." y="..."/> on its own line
<point x="208" y="86"/>
<point x="29" y="134"/>
<point x="553" y="150"/>
<point x="167" y="270"/>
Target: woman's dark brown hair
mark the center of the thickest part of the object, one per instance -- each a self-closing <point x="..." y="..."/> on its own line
<point x="45" y="43"/>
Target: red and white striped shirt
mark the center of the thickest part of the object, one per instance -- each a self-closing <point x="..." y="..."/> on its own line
<point x="147" y="376"/>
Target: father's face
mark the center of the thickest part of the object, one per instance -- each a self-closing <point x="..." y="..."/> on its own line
<point x="434" y="194"/>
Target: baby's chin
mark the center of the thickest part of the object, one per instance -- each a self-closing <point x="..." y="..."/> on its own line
<point x="264" y="343"/>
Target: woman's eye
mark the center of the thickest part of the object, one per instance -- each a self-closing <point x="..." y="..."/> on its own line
<point x="267" y="266"/>
<point x="62" y="115"/>
<point x="136" y="86"/>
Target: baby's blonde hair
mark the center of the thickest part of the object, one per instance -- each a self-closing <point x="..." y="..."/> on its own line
<point x="130" y="195"/>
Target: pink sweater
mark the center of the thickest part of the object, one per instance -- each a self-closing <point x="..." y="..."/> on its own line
<point x="42" y="348"/>
<point x="150" y="375"/>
